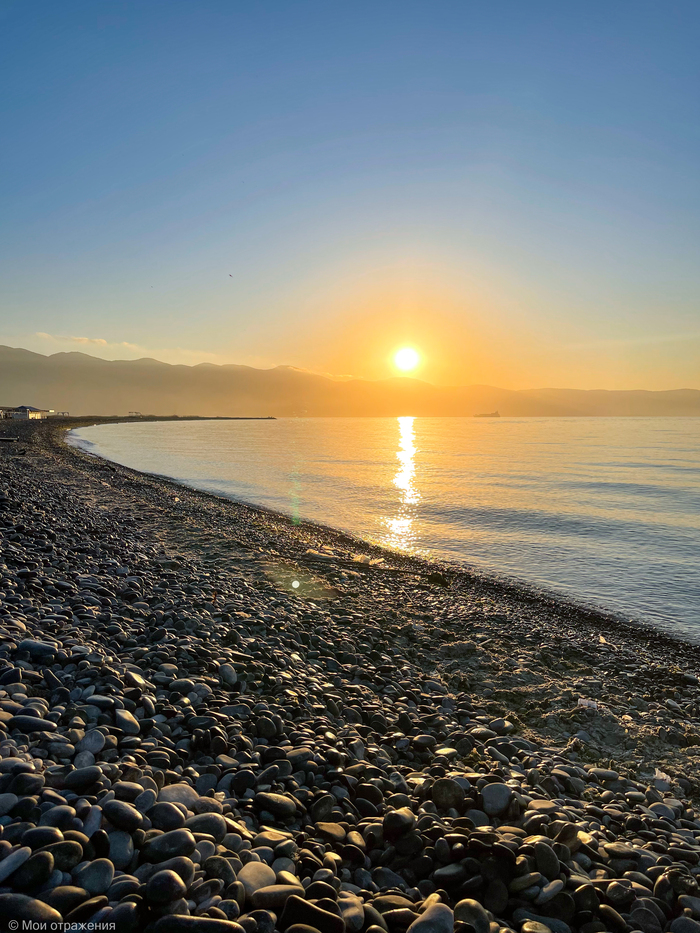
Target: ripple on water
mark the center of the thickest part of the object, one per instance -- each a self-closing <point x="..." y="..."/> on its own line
<point x="603" y="510"/>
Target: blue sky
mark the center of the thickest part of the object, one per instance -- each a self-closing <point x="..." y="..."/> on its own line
<point x="511" y="187"/>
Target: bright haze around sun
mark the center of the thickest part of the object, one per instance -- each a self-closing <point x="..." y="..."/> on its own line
<point x="511" y="189"/>
<point x="406" y="359"/>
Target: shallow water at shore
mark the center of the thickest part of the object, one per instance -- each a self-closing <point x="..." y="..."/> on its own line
<point x="606" y="511"/>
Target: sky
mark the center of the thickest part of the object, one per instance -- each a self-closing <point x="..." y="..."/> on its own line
<point x="511" y="188"/>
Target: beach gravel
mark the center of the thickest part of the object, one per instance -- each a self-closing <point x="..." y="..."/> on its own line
<point x="190" y="742"/>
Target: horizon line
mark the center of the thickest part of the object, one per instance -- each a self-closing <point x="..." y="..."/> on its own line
<point x="330" y="376"/>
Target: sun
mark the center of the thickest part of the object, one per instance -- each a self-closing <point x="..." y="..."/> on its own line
<point x="406" y="359"/>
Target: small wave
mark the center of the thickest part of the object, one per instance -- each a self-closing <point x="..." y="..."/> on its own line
<point x="611" y="518"/>
<point x="74" y="439"/>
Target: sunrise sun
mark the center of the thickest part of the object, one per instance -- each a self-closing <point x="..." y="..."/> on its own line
<point x="406" y="359"/>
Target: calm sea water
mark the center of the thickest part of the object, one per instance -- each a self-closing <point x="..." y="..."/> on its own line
<point x="604" y="510"/>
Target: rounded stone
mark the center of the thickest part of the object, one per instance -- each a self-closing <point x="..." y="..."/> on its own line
<point x="24" y="785"/>
<point x="398" y="822"/>
<point x="684" y="925"/>
<point x="217" y="866"/>
<point x="83" y="778"/>
<point x="171" y="844"/>
<point x="66" y="854"/>
<point x="166" y="816"/>
<point x="23" y="907"/>
<point x="95" y="877"/>
<point x="41" y="836"/>
<point x="495" y="798"/>
<point x="28" y="724"/>
<point x="213" y="824"/>
<point x="34" y="873"/>
<point x="437" y="918"/>
<point x="7" y="803"/>
<point x="125" y="721"/>
<point x="276" y="804"/>
<point x="65" y="898"/>
<point x="255" y="875"/>
<point x="126" y="917"/>
<point x="546" y="860"/>
<point x="273" y="897"/>
<point x="549" y="891"/>
<point x="87" y="910"/>
<point x="122" y="815"/>
<point x="165" y="886"/>
<point x="84" y="760"/>
<point x="228" y="675"/>
<point x="121" y="849"/>
<point x="471" y="912"/>
<point x="179" y="793"/>
<point x="93" y="741"/>
<point x="447" y="794"/>
<point x="352" y="911"/>
<point x="60" y="816"/>
<point x="13" y="861"/>
<point x="645" y="920"/>
<point x="297" y="910"/>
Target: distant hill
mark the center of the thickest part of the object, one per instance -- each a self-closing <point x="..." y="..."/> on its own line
<point x="83" y="384"/>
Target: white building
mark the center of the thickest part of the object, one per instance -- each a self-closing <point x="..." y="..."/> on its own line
<point x="25" y="413"/>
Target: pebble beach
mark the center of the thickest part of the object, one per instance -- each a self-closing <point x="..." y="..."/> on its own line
<point x="215" y="720"/>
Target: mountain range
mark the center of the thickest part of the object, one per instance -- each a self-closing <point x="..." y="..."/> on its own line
<point x="86" y="385"/>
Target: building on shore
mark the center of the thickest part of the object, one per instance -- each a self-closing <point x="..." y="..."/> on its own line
<point x="24" y="413"/>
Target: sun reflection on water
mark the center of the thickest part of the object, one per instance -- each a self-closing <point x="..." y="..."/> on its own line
<point x="402" y="534"/>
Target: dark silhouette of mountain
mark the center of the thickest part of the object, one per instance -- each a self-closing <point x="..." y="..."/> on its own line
<point x="83" y="384"/>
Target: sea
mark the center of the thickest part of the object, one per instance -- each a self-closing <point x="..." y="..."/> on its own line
<point x="602" y="511"/>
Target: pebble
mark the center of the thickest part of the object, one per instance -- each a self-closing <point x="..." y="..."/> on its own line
<point x="179" y="793"/>
<point x="495" y="798"/>
<point x="165" y="886"/>
<point x="93" y="741"/>
<point x="299" y="911"/>
<point x="95" y="876"/>
<point x="34" y="873"/>
<point x="122" y="815"/>
<point x="447" y="794"/>
<point x="472" y="912"/>
<point x="18" y="907"/>
<point x="168" y="845"/>
<point x="13" y="860"/>
<point x="438" y="918"/>
<point x="121" y="849"/>
<point x="255" y="875"/>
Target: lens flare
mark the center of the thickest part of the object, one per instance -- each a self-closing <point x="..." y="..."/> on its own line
<point x="406" y="359"/>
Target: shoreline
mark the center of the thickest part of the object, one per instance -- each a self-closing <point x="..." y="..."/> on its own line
<point x="596" y="615"/>
<point x="290" y="541"/>
<point x="303" y="738"/>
